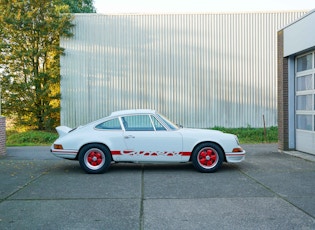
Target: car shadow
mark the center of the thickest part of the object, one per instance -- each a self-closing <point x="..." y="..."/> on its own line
<point x="167" y="167"/>
<point x="73" y="167"/>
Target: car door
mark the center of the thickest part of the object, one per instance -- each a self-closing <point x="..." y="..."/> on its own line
<point x="110" y="133"/>
<point x="146" y="139"/>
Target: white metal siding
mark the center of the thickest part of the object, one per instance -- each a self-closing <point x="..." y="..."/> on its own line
<point x="201" y="70"/>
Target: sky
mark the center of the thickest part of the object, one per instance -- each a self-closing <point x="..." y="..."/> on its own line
<point x="193" y="6"/>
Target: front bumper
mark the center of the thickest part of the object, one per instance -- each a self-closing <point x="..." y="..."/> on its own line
<point x="235" y="157"/>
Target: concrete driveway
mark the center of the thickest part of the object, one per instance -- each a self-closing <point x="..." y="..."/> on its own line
<point x="269" y="190"/>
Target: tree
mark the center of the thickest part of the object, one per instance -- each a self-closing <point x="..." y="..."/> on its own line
<point x="29" y="59"/>
<point x="80" y="6"/>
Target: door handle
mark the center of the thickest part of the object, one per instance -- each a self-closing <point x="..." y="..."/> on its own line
<point x="129" y="136"/>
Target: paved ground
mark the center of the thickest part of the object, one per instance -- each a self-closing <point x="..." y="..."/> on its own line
<point x="269" y="190"/>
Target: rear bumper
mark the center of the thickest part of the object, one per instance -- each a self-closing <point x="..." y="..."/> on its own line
<point x="235" y="157"/>
<point x="66" y="154"/>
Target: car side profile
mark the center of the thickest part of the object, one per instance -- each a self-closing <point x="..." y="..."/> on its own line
<point x="144" y="136"/>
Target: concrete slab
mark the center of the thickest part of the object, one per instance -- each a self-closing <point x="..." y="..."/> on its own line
<point x="16" y="174"/>
<point x="183" y="183"/>
<point x="286" y="184"/>
<point x="304" y="203"/>
<point x="75" y="184"/>
<point x="224" y="213"/>
<point x="70" y="214"/>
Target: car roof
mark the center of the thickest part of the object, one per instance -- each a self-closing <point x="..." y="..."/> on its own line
<point x="132" y="111"/>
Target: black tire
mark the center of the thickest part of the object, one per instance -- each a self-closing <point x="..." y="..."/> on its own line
<point x="207" y="157"/>
<point x="94" y="158"/>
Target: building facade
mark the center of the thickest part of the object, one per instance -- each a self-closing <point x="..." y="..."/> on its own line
<point x="201" y="70"/>
<point x="296" y="85"/>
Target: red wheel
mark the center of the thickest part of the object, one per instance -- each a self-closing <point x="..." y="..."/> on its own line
<point x="94" y="158"/>
<point x="207" y="157"/>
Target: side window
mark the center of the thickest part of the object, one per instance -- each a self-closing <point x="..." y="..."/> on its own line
<point x="109" y="125"/>
<point x="158" y="126"/>
<point x="137" y="123"/>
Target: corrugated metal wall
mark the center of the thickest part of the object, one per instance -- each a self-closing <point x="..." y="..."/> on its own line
<point x="200" y="70"/>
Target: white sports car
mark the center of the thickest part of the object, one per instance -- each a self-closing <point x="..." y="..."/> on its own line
<point x="144" y="136"/>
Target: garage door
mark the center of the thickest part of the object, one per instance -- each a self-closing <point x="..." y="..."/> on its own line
<point x="305" y="102"/>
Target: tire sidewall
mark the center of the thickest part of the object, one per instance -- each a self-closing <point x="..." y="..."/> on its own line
<point x="85" y="150"/>
<point x="195" y="155"/>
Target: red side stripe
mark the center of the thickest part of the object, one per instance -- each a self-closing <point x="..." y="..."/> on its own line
<point x="185" y="154"/>
<point x="117" y="152"/>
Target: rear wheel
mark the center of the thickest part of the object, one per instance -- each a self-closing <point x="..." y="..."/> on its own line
<point x="94" y="158"/>
<point x="207" y="157"/>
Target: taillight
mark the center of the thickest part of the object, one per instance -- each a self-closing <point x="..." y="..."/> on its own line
<point x="56" y="146"/>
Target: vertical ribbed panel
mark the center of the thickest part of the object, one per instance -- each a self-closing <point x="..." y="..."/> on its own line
<point x="201" y="70"/>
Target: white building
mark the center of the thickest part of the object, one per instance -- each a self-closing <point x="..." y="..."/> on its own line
<point x="201" y="70"/>
<point x="296" y="85"/>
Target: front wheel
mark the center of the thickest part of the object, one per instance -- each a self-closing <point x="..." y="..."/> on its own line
<point x="207" y="157"/>
<point x="94" y="158"/>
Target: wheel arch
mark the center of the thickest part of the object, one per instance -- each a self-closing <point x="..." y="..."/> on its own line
<point x="210" y="142"/>
<point x="93" y="143"/>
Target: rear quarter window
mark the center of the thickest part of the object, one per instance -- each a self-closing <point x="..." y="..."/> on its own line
<point x="113" y="124"/>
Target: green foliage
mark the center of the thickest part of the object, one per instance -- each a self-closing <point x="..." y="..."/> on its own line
<point x="80" y="6"/>
<point x="29" y="59"/>
<point x="250" y="135"/>
<point x="30" y="138"/>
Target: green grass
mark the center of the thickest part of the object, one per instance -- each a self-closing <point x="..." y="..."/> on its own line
<point x="30" y="138"/>
<point x="24" y="137"/>
<point x="253" y="135"/>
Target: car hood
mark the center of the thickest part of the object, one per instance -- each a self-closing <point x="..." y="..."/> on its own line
<point x="206" y="134"/>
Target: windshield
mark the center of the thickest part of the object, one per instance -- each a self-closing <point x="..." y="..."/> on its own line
<point x="168" y="122"/>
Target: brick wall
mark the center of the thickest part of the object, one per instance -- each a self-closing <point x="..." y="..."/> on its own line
<point x="2" y="136"/>
<point x="283" y="115"/>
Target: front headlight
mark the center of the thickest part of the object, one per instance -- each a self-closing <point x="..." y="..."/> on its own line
<point x="237" y="150"/>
